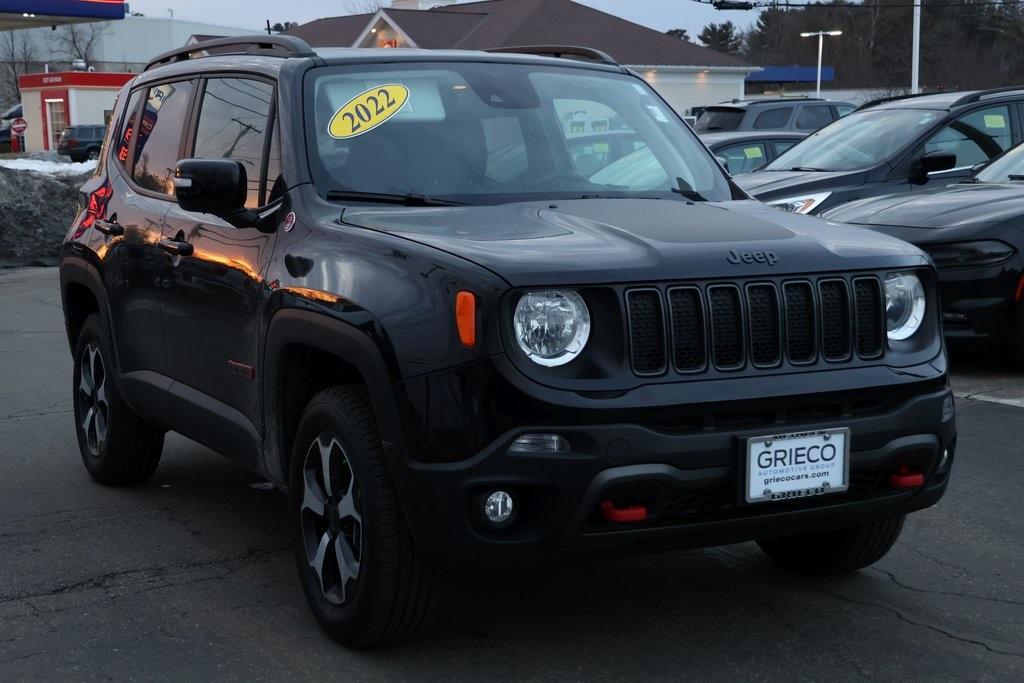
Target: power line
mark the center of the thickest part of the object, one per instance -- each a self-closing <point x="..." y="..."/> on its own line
<point x="785" y="4"/>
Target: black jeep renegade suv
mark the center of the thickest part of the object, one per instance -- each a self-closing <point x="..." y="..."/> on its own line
<point x="389" y="282"/>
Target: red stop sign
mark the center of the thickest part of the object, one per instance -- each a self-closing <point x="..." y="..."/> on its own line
<point x="19" y="125"/>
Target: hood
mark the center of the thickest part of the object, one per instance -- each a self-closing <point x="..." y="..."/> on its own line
<point x="955" y="206"/>
<point x="636" y="240"/>
<point x="780" y="184"/>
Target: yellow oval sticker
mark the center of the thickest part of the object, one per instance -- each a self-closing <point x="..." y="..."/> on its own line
<point x="367" y="110"/>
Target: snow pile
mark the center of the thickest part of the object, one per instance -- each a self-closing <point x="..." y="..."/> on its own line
<point x="37" y="208"/>
<point x="56" y="168"/>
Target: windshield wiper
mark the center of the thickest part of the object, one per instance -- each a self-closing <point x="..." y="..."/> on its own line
<point x="411" y="199"/>
<point x="683" y="188"/>
<point x="808" y="168"/>
<point x="1015" y="176"/>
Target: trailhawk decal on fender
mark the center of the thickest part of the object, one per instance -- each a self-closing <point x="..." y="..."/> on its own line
<point x="367" y="110"/>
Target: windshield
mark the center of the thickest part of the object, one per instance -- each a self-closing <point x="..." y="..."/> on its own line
<point x="492" y="133"/>
<point x="1008" y="167"/>
<point x="858" y="140"/>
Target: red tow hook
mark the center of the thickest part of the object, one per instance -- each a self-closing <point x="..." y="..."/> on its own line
<point x="905" y="479"/>
<point x="630" y="513"/>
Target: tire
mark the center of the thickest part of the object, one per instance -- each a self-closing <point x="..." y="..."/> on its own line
<point x="386" y="590"/>
<point x="92" y="154"/>
<point x="118" y="447"/>
<point x="835" y="552"/>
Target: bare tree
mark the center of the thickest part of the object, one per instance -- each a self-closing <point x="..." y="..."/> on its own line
<point x="78" y="41"/>
<point x="18" y="56"/>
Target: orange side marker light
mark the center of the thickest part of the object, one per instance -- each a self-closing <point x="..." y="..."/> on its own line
<point x="465" y="318"/>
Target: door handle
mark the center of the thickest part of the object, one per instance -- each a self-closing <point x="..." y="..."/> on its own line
<point x="111" y="227"/>
<point x="175" y="248"/>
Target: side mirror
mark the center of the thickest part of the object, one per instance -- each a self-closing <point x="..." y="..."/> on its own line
<point x="214" y="186"/>
<point x="933" y="162"/>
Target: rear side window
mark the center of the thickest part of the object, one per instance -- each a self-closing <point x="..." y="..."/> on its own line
<point x="719" y="120"/>
<point x="813" y="117"/>
<point x="159" y="138"/>
<point x="234" y="124"/>
<point x="975" y="137"/>
<point x="122" y="143"/>
<point x="773" y="118"/>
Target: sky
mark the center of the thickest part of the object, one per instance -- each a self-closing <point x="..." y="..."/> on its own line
<point x="658" y="14"/>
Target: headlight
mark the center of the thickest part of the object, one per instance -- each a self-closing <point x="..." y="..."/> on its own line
<point x="960" y="254"/>
<point x="804" y="204"/>
<point x="904" y="305"/>
<point x="551" y="326"/>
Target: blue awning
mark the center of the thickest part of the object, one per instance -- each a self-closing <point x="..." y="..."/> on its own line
<point x="86" y="9"/>
<point x="792" y="74"/>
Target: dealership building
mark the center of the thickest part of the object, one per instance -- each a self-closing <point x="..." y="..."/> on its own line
<point x="686" y="74"/>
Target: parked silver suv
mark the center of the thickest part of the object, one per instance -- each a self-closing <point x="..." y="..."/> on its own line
<point x="788" y="113"/>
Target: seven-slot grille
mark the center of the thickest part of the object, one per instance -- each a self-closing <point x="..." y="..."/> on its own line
<point x="728" y="326"/>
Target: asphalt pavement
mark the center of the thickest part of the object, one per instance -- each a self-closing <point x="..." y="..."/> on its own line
<point x="190" y="576"/>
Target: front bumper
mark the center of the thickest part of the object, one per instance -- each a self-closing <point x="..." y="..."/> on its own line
<point x="980" y="303"/>
<point x="688" y="472"/>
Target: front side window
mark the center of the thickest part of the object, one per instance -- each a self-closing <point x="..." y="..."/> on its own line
<point x="773" y="118"/>
<point x="233" y="124"/>
<point x="744" y="158"/>
<point x="494" y="133"/>
<point x="859" y="140"/>
<point x="159" y="138"/>
<point x="975" y="137"/>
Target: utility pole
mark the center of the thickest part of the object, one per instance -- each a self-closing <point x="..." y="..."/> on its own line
<point x="821" y="43"/>
<point x="915" y="62"/>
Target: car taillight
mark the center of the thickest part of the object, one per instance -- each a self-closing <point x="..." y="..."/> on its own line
<point x="95" y="208"/>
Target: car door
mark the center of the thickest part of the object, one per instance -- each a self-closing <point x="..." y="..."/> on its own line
<point x="213" y="302"/>
<point x="134" y="267"/>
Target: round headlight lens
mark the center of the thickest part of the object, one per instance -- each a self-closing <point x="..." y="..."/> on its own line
<point x="904" y="305"/>
<point x="551" y="326"/>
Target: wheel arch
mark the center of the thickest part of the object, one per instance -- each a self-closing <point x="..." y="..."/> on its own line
<point x="305" y="353"/>
<point x="82" y="294"/>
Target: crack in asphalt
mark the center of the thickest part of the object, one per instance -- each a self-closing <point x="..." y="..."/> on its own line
<point x="103" y="581"/>
<point x="921" y="624"/>
<point x="967" y="596"/>
<point x="25" y="416"/>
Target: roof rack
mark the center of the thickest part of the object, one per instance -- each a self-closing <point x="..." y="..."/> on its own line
<point x="559" y="51"/>
<point x="894" y="98"/>
<point x="986" y="94"/>
<point x="271" y="46"/>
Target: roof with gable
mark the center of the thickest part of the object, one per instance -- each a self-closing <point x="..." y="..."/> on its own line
<point x="508" y="23"/>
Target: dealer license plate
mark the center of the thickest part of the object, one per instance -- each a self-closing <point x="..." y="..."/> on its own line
<point x="798" y="465"/>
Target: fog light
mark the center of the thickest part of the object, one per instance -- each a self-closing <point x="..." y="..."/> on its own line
<point x="539" y="443"/>
<point x="498" y="508"/>
<point x="943" y="460"/>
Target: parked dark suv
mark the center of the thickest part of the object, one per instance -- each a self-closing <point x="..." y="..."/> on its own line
<point x="378" y="279"/>
<point x="81" y="142"/>
<point x="900" y="144"/>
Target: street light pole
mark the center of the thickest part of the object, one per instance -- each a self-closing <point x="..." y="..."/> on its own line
<point x="821" y="44"/>
<point x="915" y="62"/>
